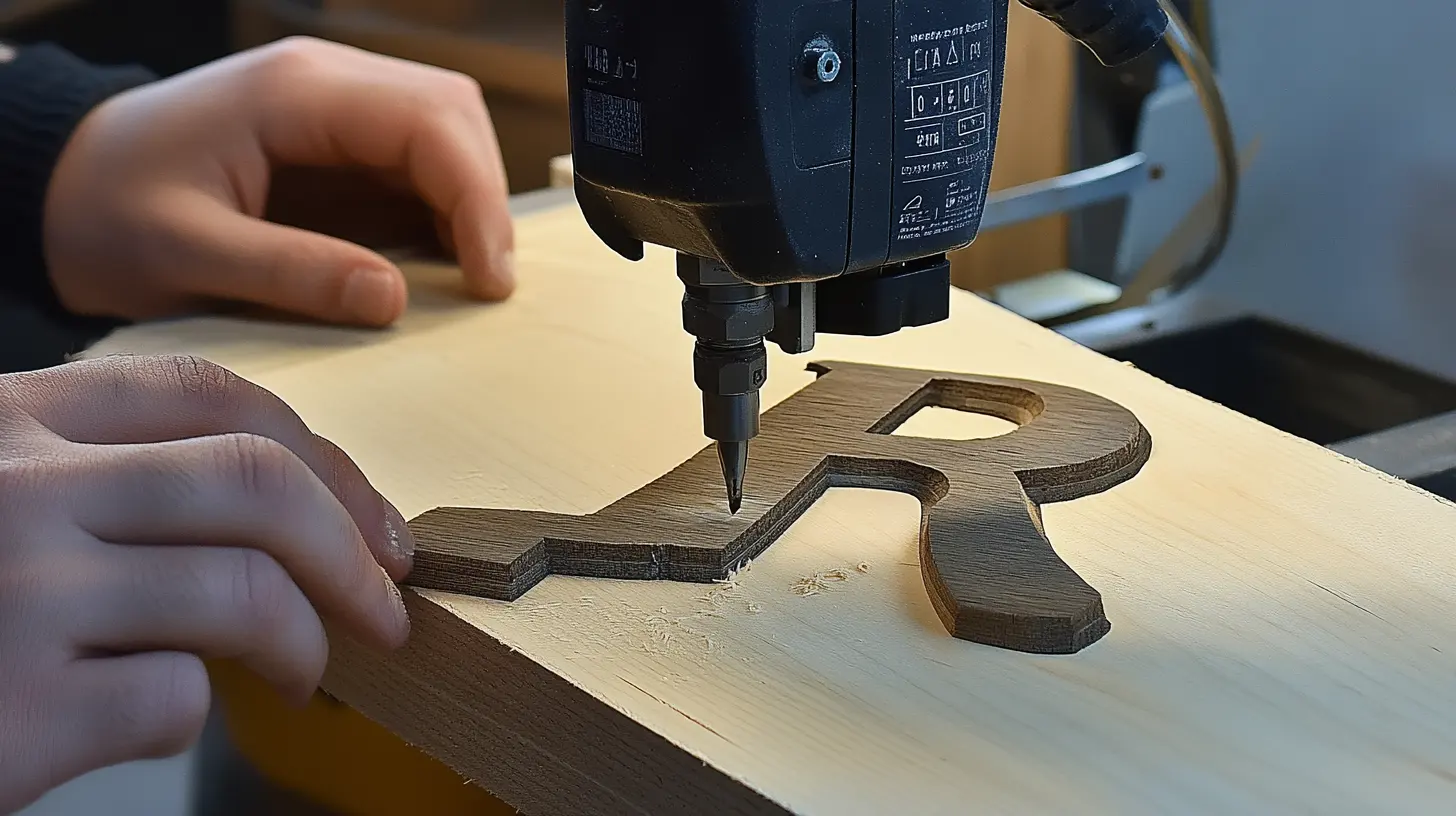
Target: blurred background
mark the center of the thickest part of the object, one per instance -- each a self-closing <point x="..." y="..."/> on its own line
<point x="1327" y="315"/>
<point x="1061" y="110"/>
<point x="514" y="49"/>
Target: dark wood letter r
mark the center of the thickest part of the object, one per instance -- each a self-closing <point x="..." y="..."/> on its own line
<point x="992" y="575"/>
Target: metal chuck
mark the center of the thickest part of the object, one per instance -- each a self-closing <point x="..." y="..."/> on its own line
<point x="729" y="318"/>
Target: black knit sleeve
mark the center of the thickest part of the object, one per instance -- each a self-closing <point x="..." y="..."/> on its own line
<point x="45" y="92"/>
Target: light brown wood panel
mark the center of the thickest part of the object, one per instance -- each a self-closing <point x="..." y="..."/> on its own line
<point x="1282" y="633"/>
<point x="1033" y="144"/>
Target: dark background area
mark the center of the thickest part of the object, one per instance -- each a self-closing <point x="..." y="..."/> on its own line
<point x="167" y="36"/>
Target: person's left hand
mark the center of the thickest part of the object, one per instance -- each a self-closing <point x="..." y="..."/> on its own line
<point x="156" y="204"/>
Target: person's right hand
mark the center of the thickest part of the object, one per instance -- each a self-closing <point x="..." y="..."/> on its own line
<point x="155" y="512"/>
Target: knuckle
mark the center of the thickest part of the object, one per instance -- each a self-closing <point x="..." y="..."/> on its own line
<point x="258" y="465"/>
<point x="451" y="88"/>
<point x="451" y="98"/>
<point x="340" y="473"/>
<point x="200" y="379"/>
<point x="286" y="61"/>
<point x="300" y="49"/>
<point x="440" y="122"/>
<point x="464" y="89"/>
<point x="260" y="590"/>
<point x="336" y="465"/>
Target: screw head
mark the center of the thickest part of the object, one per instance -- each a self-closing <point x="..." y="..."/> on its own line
<point x="821" y="62"/>
<point x="828" y="66"/>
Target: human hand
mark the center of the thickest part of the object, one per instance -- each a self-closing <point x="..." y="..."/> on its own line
<point x="155" y="512"/>
<point x="156" y="204"/>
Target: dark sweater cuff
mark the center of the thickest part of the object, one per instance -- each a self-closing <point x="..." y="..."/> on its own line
<point x="45" y="92"/>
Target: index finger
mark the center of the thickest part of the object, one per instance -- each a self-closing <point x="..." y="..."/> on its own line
<point x="327" y="104"/>
<point x="145" y="399"/>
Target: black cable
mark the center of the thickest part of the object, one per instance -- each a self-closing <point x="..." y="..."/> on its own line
<point x="1118" y="31"/>
<point x="1115" y="31"/>
<point x="1196" y="67"/>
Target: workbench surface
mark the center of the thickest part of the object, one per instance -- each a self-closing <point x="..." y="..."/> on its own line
<point x="1282" y="631"/>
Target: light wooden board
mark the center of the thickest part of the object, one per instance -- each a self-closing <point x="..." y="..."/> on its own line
<point x="1282" y="631"/>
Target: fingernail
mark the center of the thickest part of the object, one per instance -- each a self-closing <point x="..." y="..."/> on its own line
<point x="505" y="268"/>
<point x="401" y="614"/>
<point x="398" y="538"/>
<point x="368" y="295"/>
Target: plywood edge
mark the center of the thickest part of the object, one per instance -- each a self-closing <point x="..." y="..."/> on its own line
<point x="529" y="735"/>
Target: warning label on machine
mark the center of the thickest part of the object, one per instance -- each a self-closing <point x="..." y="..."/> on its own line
<point x="942" y="143"/>
<point x="612" y="121"/>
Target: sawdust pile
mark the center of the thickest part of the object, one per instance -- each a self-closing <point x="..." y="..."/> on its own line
<point x="663" y="632"/>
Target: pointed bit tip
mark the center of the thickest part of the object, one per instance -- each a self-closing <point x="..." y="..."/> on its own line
<point x="734" y="458"/>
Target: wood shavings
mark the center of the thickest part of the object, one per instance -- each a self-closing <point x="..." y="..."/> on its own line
<point x="808" y="585"/>
<point x="818" y="582"/>
<point x="823" y="581"/>
<point x="662" y="632"/>
<point x="618" y="623"/>
<point x="719" y="594"/>
<point x="862" y="567"/>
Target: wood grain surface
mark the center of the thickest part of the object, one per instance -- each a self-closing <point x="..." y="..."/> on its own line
<point x="1283" y="636"/>
<point x="992" y="575"/>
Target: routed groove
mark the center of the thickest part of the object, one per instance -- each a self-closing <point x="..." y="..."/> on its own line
<point x="991" y="572"/>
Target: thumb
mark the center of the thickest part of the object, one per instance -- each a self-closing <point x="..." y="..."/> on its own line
<point x="233" y="256"/>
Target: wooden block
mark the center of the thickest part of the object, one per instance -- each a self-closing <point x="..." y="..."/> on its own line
<point x="1282" y="634"/>
<point x="562" y="172"/>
